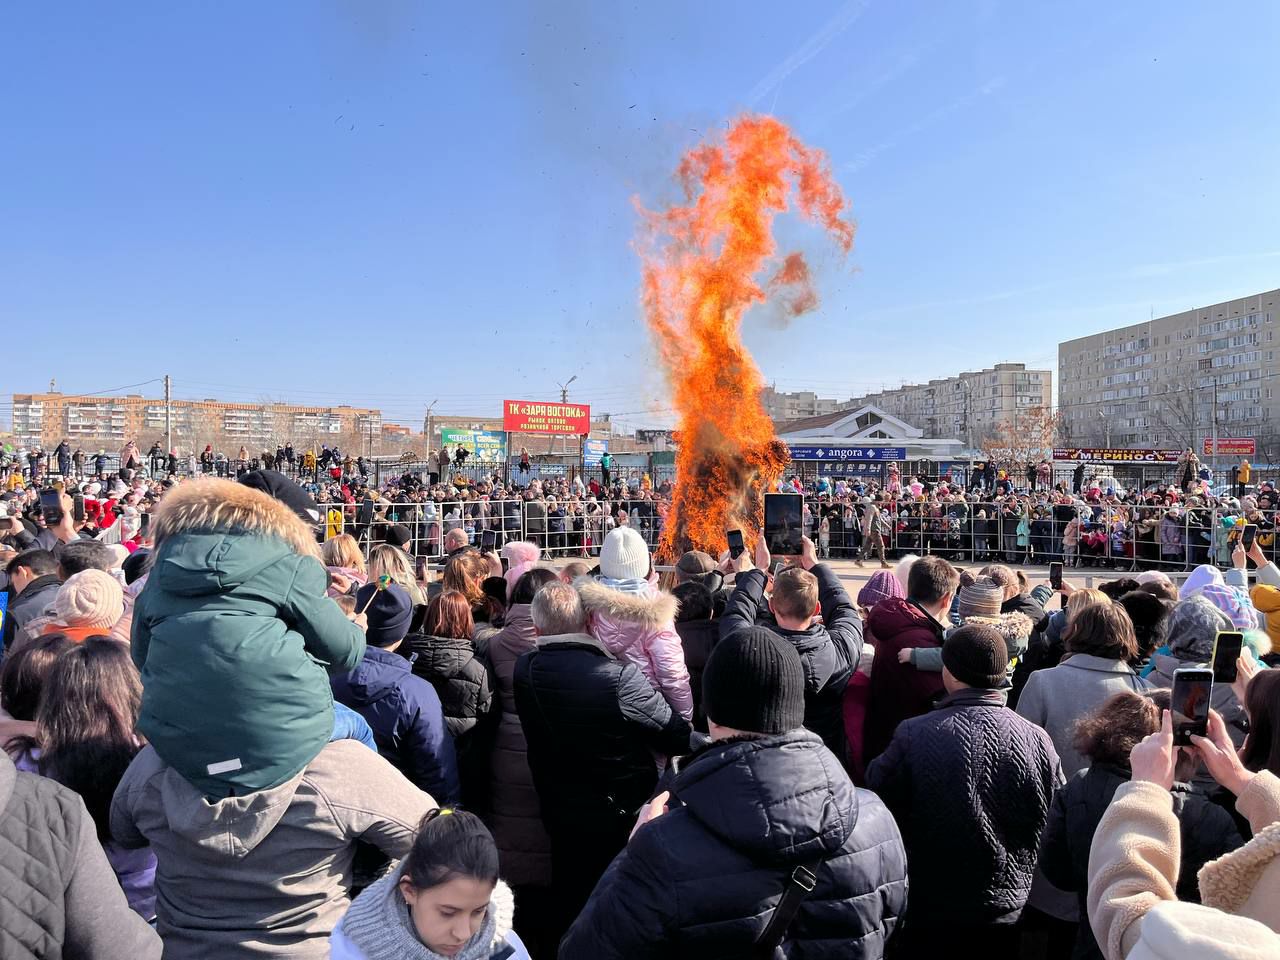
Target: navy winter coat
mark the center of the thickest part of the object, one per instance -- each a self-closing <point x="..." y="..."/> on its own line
<point x="701" y="881"/>
<point x="970" y="785"/>
<point x="406" y="718"/>
<point x="829" y="651"/>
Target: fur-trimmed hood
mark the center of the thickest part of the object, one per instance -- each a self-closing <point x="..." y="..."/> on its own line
<point x="223" y="507"/>
<point x="1246" y="881"/>
<point x="651" y="608"/>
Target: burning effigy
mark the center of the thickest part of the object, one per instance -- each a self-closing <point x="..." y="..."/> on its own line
<point x="705" y="262"/>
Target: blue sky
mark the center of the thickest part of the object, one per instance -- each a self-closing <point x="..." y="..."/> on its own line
<point x="393" y="203"/>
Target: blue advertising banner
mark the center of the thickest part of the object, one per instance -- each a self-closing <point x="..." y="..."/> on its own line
<point x="847" y="453"/>
<point x="593" y="450"/>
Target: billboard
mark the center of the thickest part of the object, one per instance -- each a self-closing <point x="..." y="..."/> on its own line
<point x="1232" y="446"/>
<point x="530" y="416"/>
<point x="487" y="446"/>
<point x="1088" y="454"/>
<point x="593" y="451"/>
<point x="840" y="454"/>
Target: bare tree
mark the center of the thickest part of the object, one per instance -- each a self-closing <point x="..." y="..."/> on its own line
<point x="1025" y="440"/>
<point x="1174" y="411"/>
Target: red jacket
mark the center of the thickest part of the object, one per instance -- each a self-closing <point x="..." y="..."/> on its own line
<point x="898" y="691"/>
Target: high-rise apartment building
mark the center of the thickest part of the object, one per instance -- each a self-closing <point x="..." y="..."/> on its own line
<point x="43" y="419"/>
<point x="970" y="406"/>
<point x="1162" y="382"/>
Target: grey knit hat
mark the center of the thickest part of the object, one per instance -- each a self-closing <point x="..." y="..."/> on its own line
<point x="982" y="598"/>
<point x="1193" y="627"/>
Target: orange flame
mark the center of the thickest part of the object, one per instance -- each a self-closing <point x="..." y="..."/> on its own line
<point x="700" y="267"/>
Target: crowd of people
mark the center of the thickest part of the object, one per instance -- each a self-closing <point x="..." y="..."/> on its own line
<point x="235" y="728"/>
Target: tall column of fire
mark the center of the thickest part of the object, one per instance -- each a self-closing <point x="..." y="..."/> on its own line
<point x="705" y="262"/>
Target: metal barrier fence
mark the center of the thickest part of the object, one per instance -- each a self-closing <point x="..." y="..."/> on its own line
<point x="1113" y="536"/>
<point x="576" y="529"/>
<point x="1104" y="536"/>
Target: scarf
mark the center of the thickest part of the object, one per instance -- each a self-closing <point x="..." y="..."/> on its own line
<point x="636" y="586"/>
<point x="380" y="926"/>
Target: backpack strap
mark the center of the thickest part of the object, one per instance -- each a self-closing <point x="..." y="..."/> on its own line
<point x="799" y="885"/>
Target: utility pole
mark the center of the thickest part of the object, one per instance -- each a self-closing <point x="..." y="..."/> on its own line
<point x="426" y="427"/>
<point x="564" y="398"/>
<point x="168" y="415"/>
<point x="1213" y="450"/>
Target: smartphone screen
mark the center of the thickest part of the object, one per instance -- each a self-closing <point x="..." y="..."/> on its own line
<point x="77" y="508"/>
<point x="1055" y="575"/>
<point x="775" y="567"/>
<point x="487" y="540"/>
<point x="420" y="568"/>
<point x="1192" y="688"/>
<point x="51" y="507"/>
<point x="1226" y="650"/>
<point x="1250" y="534"/>
<point x="736" y="543"/>
<point x="783" y="531"/>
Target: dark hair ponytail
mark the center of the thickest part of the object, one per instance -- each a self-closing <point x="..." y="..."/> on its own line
<point x="451" y="843"/>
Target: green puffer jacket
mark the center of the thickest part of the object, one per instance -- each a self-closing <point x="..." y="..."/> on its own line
<point x="234" y="637"/>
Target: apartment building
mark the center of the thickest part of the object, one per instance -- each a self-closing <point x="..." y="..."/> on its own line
<point x="44" y="419"/>
<point x="970" y="406"/>
<point x="1162" y="382"/>
<point x="797" y="405"/>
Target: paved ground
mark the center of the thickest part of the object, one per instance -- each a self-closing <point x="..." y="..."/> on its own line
<point x="855" y="576"/>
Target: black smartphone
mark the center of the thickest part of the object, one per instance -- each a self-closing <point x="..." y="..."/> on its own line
<point x="1226" y="650"/>
<point x="783" y="529"/>
<point x="420" y="568"/>
<point x="144" y="524"/>
<point x="488" y="540"/>
<point x="77" y="508"/>
<point x="364" y="515"/>
<point x="1250" y="534"/>
<point x="51" y="507"/>
<point x="1192" y="690"/>
<point x="736" y="544"/>
<point x="506" y="564"/>
<point x="1055" y="575"/>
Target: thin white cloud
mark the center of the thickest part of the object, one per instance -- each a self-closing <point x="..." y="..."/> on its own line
<point x="841" y="22"/>
<point x="864" y="158"/>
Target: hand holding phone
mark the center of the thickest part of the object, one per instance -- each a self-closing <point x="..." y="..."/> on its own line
<point x="736" y="544"/>
<point x="1226" y="653"/>
<point x="1192" y="690"/>
<point x="1055" y="575"/>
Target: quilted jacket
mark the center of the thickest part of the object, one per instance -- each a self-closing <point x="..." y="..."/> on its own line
<point x="58" y="895"/>
<point x="1207" y="831"/>
<point x="403" y="712"/>
<point x="702" y="880"/>
<point x="970" y="785"/>
<point x="829" y="651"/>
<point x="524" y="849"/>
<point x="460" y="676"/>
<point x="640" y="628"/>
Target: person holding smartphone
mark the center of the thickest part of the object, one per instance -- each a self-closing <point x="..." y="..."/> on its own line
<point x="1134" y="867"/>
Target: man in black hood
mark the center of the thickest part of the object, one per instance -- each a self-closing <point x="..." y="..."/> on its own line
<point x="764" y="807"/>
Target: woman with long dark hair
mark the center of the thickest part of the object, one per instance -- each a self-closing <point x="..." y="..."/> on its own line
<point x="86" y="734"/>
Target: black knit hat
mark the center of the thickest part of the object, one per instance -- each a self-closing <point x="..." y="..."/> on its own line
<point x="397" y="535"/>
<point x="754" y="682"/>
<point x="275" y="484"/>
<point x="976" y="655"/>
<point x="389" y="612"/>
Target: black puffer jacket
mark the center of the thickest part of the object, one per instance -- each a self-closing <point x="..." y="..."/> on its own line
<point x="829" y="650"/>
<point x="701" y="881"/>
<point x="591" y="724"/>
<point x="970" y="785"/>
<point x="1207" y="831"/>
<point x="698" y="638"/>
<point x="461" y="678"/>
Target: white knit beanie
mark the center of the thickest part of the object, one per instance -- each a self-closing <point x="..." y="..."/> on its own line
<point x="1176" y="931"/>
<point x="624" y="555"/>
<point x="90" y="598"/>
